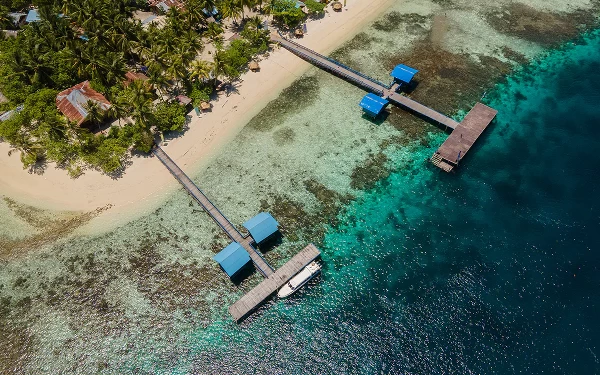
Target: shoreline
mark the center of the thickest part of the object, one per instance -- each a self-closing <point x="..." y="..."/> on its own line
<point x="146" y="184"/>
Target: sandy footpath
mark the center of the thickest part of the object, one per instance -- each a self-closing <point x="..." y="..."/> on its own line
<point x="146" y="184"/>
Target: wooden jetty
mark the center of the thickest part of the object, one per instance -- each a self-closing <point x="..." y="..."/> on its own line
<point x="254" y="298"/>
<point x="246" y="241"/>
<point x="460" y="141"/>
<point x="463" y="134"/>
<point x="363" y="81"/>
<point x="274" y="279"/>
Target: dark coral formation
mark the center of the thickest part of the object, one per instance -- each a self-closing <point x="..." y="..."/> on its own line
<point x="545" y="28"/>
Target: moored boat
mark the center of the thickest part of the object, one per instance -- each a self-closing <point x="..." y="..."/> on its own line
<point x="299" y="280"/>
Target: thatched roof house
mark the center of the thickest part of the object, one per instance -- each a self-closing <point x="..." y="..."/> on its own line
<point x="73" y="102"/>
<point x="254" y="66"/>
<point x="337" y="6"/>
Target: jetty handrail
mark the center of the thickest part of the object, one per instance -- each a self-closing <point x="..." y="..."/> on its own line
<point x="301" y="47"/>
<point x="166" y="159"/>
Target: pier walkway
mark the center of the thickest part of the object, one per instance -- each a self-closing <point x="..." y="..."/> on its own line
<point x="273" y="279"/>
<point x="246" y="241"/>
<point x="460" y="141"/>
<point x="245" y="305"/>
<point x="363" y="81"/>
<point x="463" y="134"/>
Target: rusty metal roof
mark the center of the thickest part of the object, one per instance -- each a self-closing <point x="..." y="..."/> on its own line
<point x="73" y="102"/>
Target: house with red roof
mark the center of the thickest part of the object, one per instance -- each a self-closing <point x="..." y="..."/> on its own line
<point x="73" y="102"/>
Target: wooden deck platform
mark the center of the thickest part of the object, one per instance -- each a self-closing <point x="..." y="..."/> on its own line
<point x="460" y="141"/>
<point x="257" y="296"/>
<point x="363" y="81"/>
<point x="246" y="241"/>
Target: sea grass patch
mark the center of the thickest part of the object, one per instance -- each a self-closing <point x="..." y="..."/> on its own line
<point x="301" y="94"/>
<point x="395" y="20"/>
<point x="447" y="81"/>
<point x="361" y="41"/>
<point x="16" y="343"/>
<point x="366" y="175"/>
<point x="49" y="230"/>
<point x="545" y="28"/>
<point x="284" y="136"/>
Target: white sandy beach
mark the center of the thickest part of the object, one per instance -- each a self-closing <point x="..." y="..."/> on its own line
<point x="146" y="184"/>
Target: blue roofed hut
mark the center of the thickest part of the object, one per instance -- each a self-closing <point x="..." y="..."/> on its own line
<point x="261" y="226"/>
<point x="403" y="73"/>
<point x="232" y="258"/>
<point x="373" y="105"/>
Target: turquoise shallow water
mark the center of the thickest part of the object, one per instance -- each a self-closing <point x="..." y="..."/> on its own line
<point x="491" y="270"/>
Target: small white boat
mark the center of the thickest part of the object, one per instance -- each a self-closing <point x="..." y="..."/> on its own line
<point x="300" y="279"/>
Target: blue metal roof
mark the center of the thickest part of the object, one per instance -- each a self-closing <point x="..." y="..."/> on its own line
<point x="403" y="73"/>
<point x="232" y="258"/>
<point x="261" y="226"/>
<point x="33" y="16"/>
<point x="373" y="104"/>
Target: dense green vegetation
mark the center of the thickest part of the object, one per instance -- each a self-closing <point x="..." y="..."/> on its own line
<point x="99" y="41"/>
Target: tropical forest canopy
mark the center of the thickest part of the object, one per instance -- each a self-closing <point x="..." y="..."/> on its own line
<point x="100" y="41"/>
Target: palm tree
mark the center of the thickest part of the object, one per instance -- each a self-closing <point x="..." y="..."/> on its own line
<point x="139" y="95"/>
<point x="248" y="4"/>
<point x="214" y="32"/>
<point x="218" y="66"/>
<point x="74" y="56"/>
<point x="232" y="9"/>
<point x="192" y="41"/>
<point x="155" y="58"/>
<point x="114" y="67"/>
<point x="200" y="70"/>
<point x="31" y="62"/>
<point x="119" y="108"/>
<point x="158" y="82"/>
<point x="95" y="115"/>
<point x="93" y="67"/>
<point x="5" y="20"/>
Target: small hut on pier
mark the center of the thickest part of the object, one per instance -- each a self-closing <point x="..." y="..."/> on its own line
<point x="373" y="105"/>
<point x="232" y="259"/>
<point x="262" y="227"/>
<point x="403" y="73"/>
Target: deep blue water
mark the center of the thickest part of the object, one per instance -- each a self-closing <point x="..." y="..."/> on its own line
<point x="492" y="270"/>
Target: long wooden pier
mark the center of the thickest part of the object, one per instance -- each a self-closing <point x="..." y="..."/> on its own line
<point x="273" y="279"/>
<point x="363" y="81"/>
<point x="246" y="241"/>
<point x="463" y="134"/>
